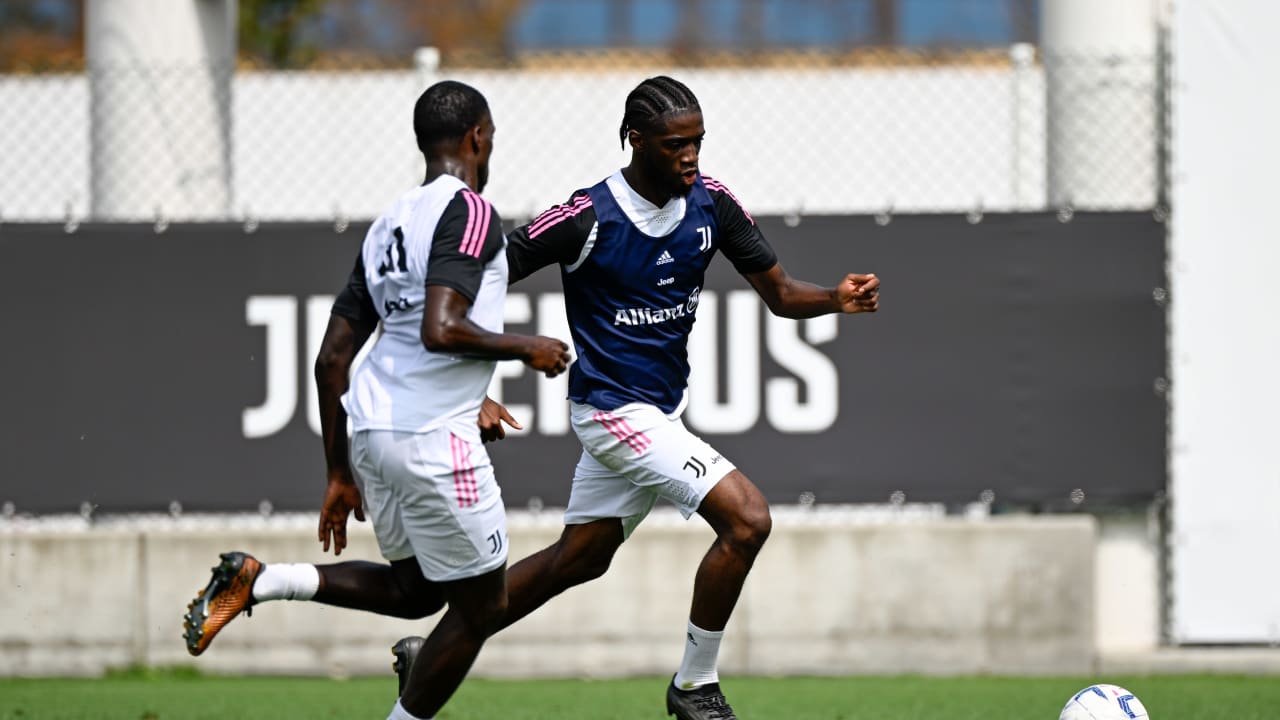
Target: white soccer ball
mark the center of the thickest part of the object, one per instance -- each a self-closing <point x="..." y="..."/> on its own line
<point x="1103" y="702"/>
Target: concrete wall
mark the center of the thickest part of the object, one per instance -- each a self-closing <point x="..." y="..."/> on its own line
<point x="830" y="595"/>
<point x="1127" y="592"/>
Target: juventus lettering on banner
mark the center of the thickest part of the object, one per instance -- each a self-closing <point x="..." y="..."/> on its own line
<point x="803" y="399"/>
<point x="1019" y="356"/>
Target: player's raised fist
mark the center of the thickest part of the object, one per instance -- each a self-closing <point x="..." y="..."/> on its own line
<point x="859" y="293"/>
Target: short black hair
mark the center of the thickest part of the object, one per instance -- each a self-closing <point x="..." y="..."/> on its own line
<point x="653" y="101"/>
<point x="446" y="111"/>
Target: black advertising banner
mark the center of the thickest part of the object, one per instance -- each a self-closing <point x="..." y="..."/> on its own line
<point x="1019" y="355"/>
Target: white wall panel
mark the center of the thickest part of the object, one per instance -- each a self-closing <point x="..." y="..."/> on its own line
<point x="1225" y="344"/>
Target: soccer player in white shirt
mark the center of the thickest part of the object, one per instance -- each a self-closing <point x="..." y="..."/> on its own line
<point x="433" y="271"/>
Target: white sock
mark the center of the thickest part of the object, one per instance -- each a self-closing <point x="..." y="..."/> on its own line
<point x="286" y="581"/>
<point x="399" y="713"/>
<point x="701" y="648"/>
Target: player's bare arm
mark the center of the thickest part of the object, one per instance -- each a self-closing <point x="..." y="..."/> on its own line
<point x="746" y="247"/>
<point x="343" y="338"/>
<point x="447" y="329"/>
<point x="791" y="298"/>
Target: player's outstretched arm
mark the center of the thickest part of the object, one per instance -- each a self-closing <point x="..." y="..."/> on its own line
<point x="745" y="246"/>
<point x="343" y="338"/>
<point x="447" y="329"/>
<point x="787" y="297"/>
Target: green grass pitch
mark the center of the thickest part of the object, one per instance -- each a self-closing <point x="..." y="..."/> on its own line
<point x="187" y="696"/>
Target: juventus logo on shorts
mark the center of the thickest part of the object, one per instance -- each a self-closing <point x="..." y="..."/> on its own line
<point x="495" y="542"/>
<point x="697" y="466"/>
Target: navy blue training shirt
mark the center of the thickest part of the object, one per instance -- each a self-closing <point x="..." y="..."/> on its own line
<point x="631" y="298"/>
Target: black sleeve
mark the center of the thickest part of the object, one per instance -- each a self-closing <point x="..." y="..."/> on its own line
<point x="740" y="238"/>
<point x="354" y="303"/>
<point x="555" y="236"/>
<point x="467" y="237"/>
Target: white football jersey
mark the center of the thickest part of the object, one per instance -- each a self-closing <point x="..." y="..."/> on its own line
<point x="441" y="233"/>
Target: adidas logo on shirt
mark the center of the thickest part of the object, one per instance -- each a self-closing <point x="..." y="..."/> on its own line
<point x="664" y="258"/>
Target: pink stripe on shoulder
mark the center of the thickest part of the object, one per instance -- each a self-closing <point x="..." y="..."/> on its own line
<point x="713" y="184"/>
<point x="558" y="214"/>
<point x="478" y="214"/>
<point x="471" y="219"/>
<point x="482" y="227"/>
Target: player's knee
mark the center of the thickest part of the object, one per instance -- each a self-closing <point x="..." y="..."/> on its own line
<point x="752" y="529"/>
<point x="591" y="568"/>
<point x="415" y="608"/>
<point x="422" y="607"/>
<point x="494" y="612"/>
<point x="486" y="617"/>
<point x="417" y="599"/>
<point x="581" y="564"/>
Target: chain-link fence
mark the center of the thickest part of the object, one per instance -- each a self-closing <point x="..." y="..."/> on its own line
<point x="898" y="131"/>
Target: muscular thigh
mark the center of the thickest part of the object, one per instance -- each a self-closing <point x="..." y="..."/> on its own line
<point x="735" y="502"/>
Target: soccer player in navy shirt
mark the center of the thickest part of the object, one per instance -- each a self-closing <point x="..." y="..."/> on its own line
<point x="633" y="250"/>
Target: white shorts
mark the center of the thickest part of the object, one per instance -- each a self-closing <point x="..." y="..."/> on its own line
<point x="634" y="455"/>
<point x="432" y="496"/>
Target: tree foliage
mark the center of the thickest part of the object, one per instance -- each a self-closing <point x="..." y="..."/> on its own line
<point x="270" y="31"/>
<point x="41" y="36"/>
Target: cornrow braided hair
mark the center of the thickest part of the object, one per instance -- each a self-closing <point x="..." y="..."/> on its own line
<point x="654" y="100"/>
